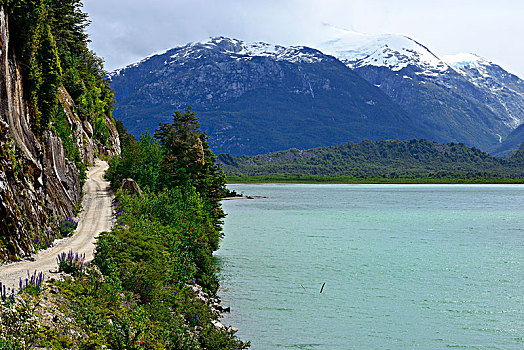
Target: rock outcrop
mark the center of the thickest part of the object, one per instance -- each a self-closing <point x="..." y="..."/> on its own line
<point x="130" y="186"/>
<point x="39" y="186"/>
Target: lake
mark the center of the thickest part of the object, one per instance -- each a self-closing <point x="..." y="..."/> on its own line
<point x="404" y="266"/>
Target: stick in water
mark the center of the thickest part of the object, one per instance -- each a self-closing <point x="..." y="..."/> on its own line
<point x="303" y="288"/>
<point x="321" y="289"/>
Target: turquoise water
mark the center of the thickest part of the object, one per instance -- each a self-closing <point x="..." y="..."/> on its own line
<point x="404" y="266"/>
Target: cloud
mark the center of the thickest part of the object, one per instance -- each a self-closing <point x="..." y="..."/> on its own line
<point x="124" y="31"/>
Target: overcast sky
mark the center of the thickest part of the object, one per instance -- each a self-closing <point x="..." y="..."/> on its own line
<point x="124" y="31"/>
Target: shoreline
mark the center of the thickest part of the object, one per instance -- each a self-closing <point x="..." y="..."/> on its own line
<point x="519" y="181"/>
<point x="242" y="197"/>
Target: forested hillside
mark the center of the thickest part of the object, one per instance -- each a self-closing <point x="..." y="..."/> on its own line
<point x="381" y="159"/>
<point x="49" y="40"/>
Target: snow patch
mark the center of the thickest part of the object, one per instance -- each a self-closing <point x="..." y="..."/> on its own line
<point x="464" y="60"/>
<point x="244" y="51"/>
<point x="387" y="50"/>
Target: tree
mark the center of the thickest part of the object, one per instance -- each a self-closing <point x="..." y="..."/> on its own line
<point x="190" y="161"/>
<point x="184" y="143"/>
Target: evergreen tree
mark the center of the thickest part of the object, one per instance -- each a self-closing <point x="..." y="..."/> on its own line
<point x="190" y="161"/>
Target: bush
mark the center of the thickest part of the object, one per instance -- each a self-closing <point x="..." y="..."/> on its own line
<point x="67" y="226"/>
<point x="101" y="130"/>
<point x="163" y="245"/>
<point x="71" y="263"/>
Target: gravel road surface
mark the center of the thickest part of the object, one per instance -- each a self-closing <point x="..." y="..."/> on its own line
<point x="96" y="216"/>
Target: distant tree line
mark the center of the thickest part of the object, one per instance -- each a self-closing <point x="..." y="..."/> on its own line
<point x="379" y="159"/>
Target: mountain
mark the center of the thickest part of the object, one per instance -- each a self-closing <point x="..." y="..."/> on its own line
<point x="378" y="159"/>
<point x="460" y="98"/>
<point x="254" y="97"/>
<point x="391" y="51"/>
<point x="504" y="92"/>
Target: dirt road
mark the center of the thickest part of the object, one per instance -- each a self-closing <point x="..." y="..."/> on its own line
<point x="96" y="217"/>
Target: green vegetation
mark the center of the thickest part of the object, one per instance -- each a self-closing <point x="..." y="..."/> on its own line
<point x="153" y="284"/>
<point x="71" y="263"/>
<point x="71" y="151"/>
<point x="181" y="157"/>
<point x="386" y="161"/>
<point x="162" y="247"/>
<point x="49" y="40"/>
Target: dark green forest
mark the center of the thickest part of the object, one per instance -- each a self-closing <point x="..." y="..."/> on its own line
<point x="378" y="161"/>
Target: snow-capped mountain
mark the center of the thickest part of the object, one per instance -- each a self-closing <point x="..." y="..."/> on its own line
<point x="235" y="49"/>
<point x="258" y="97"/>
<point x="240" y="50"/>
<point x="255" y="97"/>
<point x="506" y="88"/>
<point x="465" y="60"/>
<point x="482" y="93"/>
<point x="394" y="52"/>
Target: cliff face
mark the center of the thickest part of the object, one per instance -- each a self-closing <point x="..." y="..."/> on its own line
<point x="39" y="186"/>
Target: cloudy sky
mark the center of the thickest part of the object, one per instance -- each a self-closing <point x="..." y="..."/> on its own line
<point x="124" y="31"/>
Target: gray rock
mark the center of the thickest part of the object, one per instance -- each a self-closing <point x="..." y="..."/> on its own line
<point x="130" y="186"/>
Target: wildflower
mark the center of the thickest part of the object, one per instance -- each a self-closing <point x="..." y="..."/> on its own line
<point x="72" y="263"/>
<point x="35" y="281"/>
<point x="67" y="226"/>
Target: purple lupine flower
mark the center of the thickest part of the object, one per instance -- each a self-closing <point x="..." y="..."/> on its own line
<point x="35" y="280"/>
<point x="67" y="226"/>
<point x="71" y="262"/>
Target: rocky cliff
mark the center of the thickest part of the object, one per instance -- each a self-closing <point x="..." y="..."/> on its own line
<point x="39" y="186"/>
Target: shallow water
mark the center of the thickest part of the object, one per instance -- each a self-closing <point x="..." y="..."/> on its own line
<point x="404" y="266"/>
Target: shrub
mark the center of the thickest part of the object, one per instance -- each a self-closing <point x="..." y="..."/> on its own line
<point x="101" y="130"/>
<point x="71" y="263"/>
<point x="67" y="226"/>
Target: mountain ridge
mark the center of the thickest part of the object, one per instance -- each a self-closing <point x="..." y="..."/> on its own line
<point x="240" y="98"/>
<point x="228" y="80"/>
